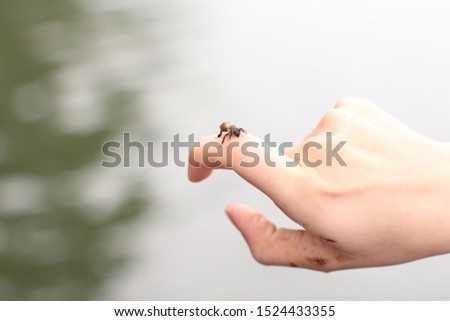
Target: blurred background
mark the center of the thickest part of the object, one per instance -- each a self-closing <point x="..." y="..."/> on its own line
<point x="75" y="74"/>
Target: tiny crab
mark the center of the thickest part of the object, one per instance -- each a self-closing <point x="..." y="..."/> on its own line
<point x="230" y="130"/>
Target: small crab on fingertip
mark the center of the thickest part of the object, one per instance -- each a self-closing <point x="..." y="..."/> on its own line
<point x="230" y="130"/>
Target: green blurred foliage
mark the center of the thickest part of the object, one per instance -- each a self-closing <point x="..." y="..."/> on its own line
<point x="54" y="246"/>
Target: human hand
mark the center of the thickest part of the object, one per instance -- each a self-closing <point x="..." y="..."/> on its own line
<point x="388" y="205"/>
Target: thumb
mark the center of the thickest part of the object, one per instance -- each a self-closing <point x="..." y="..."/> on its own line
<point x="270" y="245"/>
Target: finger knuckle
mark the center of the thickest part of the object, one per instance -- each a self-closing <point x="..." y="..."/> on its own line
<point x="332" y="120"/>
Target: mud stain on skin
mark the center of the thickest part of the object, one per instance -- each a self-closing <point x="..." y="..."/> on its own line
<point x="317" y="261"/>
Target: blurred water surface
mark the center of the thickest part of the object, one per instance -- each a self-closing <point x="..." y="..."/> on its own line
<point x="70" y="79"/>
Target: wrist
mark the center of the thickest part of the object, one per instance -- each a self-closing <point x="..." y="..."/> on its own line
<point x="442" y="204"/>
<point x="432" y="203"/>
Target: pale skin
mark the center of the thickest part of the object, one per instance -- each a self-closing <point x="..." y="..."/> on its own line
<point x="389" y="205"/>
